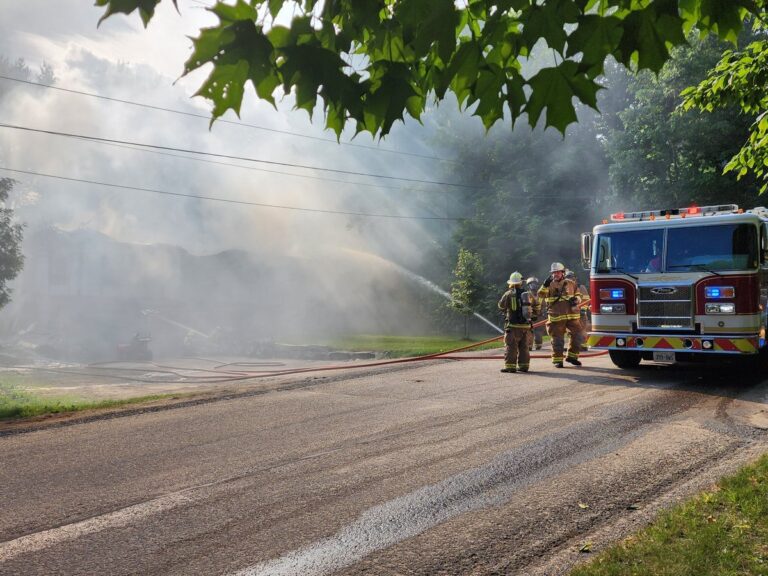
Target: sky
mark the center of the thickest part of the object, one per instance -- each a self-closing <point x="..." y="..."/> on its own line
<point x="121" y="59"/>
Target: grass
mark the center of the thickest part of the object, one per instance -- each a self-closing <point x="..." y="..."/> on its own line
<point x="17" y="402"/>
<point x="402" y="346"/>
<point x="719" y="533"/>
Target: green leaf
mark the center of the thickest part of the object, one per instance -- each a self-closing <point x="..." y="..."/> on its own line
<point x="386" y="104"/>
<point x="240" y="52"/>
<point x="547" y="21"/>
<point x="648" y="33"/>
<point x="595" y="37"/>
<point x="461" y="73"/>
<point x="724" y="17"/>
<point x="488" y="93"/>
<point x="224" y="87"/>
<point x="554" y="89"/>
<point x="516" y="98"/>
<point x="274" y="7"/>
<point x="428" y="23"/>
<point x="230" y="13"/>
<point x="146" y="8"/>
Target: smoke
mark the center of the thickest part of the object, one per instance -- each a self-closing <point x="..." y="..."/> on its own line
<point x="264" y="273"/>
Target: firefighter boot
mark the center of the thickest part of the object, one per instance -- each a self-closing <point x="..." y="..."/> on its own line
<point x="508" y="370"/>
<point x="574" y="361"/>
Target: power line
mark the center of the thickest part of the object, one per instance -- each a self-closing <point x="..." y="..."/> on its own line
<point x="230" y="157"/>
<point x="322" y="179"/>
<point x="221" y="120"/>
<point x="306" y="176"/>
<point x="227" y="200"/>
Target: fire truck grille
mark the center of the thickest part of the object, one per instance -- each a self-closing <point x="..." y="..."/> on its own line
<point x="665" y="307"/>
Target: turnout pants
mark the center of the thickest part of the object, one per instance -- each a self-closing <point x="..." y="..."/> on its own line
<point x="536" y="337"/>
<point x="556" y="331"/>
<point x="516" y="353"/>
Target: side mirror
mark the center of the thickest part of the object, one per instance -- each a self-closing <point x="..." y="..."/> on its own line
<point x="586" y="250"/>
<point x="764" y="242"/>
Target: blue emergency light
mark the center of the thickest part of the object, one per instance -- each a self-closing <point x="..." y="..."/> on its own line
<point x="719" y="292"/>
<point x="611" y="293"/>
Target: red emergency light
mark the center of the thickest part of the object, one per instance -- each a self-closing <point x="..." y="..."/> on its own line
<point x="681" y="213"/>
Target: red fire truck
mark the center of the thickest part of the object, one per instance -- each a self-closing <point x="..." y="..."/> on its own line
<point x="679" y="285"/>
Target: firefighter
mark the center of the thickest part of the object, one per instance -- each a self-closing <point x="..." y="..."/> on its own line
<point x="536" y="337"/>
<point x="518" y="307"/>
<point x="561" y="295"/>
<point x="583" y="311"/>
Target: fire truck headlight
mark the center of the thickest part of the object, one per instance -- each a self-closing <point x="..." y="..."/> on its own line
<point x="613" y="309"/>
<point x="621" y="342"/>
<point x="706" y="344"/>
<point x="725" y="308"/>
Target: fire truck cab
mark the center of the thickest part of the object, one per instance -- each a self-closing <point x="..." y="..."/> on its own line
<point x="681" y="284"/>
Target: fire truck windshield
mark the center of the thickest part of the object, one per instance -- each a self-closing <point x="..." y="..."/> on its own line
<point x="721" y="247"/>
<point x="686" y="248"/>
<point x="631" y="252"/>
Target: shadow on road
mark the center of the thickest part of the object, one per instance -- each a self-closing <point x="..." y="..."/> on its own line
<point x="727" y="380"/>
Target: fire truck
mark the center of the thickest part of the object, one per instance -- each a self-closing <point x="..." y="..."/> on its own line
<point x="679" y="285"/>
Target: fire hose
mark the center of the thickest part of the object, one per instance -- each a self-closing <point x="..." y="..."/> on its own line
<point x="237" y="375"/>
<point x="228" y="372"/>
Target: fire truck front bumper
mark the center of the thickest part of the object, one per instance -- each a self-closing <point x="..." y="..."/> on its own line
<point x="743" y="344"/>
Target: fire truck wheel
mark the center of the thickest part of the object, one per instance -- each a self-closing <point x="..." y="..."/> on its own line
<point x="758" y="363"/>
<point x="625" y="358"/>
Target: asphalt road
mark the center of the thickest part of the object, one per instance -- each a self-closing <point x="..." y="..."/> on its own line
<point x="438" y="468"/>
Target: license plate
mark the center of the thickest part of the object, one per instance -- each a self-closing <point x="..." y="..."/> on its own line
<point x="668" y="357"/>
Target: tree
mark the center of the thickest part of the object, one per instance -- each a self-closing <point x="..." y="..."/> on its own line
<point x="11" y="258"/>
<point x="741" y="79"/>
<point x="20" y="70"/>
<point x="372" y="61"/>
<point x="534" y="192"/>
<point x="467" y="287"/>
<point x="664" y="156"/>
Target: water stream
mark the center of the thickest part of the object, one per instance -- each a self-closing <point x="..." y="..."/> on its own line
<point x="428" y="284"/>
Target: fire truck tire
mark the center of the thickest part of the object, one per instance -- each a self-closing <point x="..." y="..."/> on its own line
<point x="625" y="358"/>
<point x="758" y="362"/>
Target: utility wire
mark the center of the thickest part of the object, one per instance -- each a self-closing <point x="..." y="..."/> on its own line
<point x="322" y="179"/>
<point x="307" y="176"/>
<point x="227" y="200"/>
<point x="221" y="120"/>
<point x="230" y="157"/>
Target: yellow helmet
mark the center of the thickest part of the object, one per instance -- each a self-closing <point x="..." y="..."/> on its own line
<point x="515" y="279"/>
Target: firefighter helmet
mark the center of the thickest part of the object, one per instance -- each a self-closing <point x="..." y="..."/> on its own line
<point x="557" y="267"/>
<point x="570" y="274"/>
<point x="515" y="279"/>
<point x="532" y="280"/>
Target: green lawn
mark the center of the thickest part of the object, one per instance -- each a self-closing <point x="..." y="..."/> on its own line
<point x="402" y="346"/>
<point x="18" y="400"/>
<point x="719" y="533"/>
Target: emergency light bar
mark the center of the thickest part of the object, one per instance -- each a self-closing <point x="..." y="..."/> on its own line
<point x="676" y="213"/>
